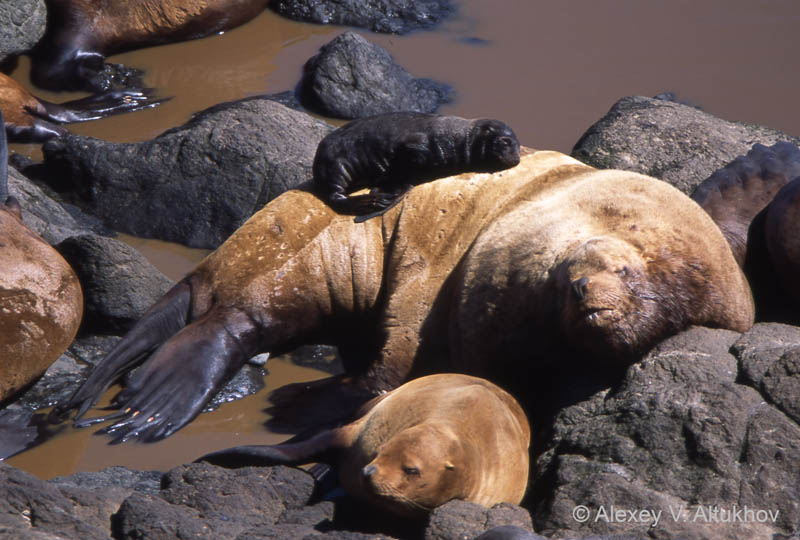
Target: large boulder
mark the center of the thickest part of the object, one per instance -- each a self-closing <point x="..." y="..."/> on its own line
<point x="386" y="16"/>
<point x="353" y="78"/>
<point x="194" y="184"/>
<point x="22" y="25"/>
<point x="668" y="140"/>
<point x="684" y="440"/>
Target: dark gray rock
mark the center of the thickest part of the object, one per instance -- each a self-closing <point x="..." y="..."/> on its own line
<point x="30" y="504"/>
<point x="386" y="16"/>
<point x="509" y="532"/>
<point x="671" y="141"/>
<point x="22" y="24"/>
<point x="112" y="477"/>
<point x="769" y="359"/>
<point x="457" y="520"/>
<point x="322" y="357"/>
<point x="40" y="212"/>
<point x="119" y="283"/>
<point x="679" y="435"/>
<point x="353" y="78"/>
<point x="194" y="184"/>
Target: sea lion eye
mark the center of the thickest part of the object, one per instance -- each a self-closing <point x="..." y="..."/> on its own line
<point x="624" y="271"/>
<point x="411" y="470"/>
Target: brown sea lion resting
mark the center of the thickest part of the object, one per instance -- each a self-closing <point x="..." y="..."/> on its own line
<point x="493" y="275"/>
<point x="390" y="153"/>
<point x="755" y="201"/>
<point x="30" y="119"/>
<point x="81" y="33"/>
<point x="41" y="302"/>
<point x="432" y="440"/>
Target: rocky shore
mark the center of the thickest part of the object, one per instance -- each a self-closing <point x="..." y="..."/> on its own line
<point x="700" y="439"/>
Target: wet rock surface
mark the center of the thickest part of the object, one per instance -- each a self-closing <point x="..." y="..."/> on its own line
<point x="352" y="78"/>
<point x="677" y="143"/>
<point x="22" y="25"/>
<point x="385" y="16"/>
<point x="194" y="184"/>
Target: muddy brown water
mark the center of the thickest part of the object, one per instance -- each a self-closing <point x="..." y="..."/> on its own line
<point x="549" y="69"/>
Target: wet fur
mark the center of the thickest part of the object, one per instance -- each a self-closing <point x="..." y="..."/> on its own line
<point x="390" y="153"/>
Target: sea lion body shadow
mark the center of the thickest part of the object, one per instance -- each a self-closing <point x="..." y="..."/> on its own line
<point x="30" y="119"/>
<point x="390" y="153"/>
<point x="755" y="200"/>
<point x="41" y="302"/>
<point x="81" y="33"/>
<point x="429" y="441"/>
<point x="467" y="274"/>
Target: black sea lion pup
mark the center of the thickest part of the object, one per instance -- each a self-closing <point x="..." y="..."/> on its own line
<point x="30" y="119"/>
<point x="81" y="33"/>
<point x="392" y="152"/>
<point x="467" y="274"/>
<point x="429" y="441"/>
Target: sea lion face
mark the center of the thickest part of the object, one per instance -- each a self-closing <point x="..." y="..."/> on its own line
<point x="494" y="145"/>
<point x="416" y="471"/>
<point x="606" y="297"/>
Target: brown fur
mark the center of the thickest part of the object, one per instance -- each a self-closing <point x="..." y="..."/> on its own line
<point x="17" y="103"/>
<point x="40" y="303"/>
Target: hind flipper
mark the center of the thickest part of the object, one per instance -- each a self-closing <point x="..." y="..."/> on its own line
<point x="101" y="105"/>
<point x="179" y="380"/>
<point x="156" y="326"/>
<point x="736" y="193"/>
<point x="316" y="448"/>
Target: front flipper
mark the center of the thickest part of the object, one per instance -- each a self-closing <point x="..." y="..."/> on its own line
<point x="179" y="380"/>
<point x="316" y="448"/>
<point x="101" y="105"/>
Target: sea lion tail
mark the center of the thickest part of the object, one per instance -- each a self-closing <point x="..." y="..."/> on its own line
<point x="102" y="105"/>
<point x="3" y="161"/>
<point x="163" y="320"/>
<point x="316" y="448"/>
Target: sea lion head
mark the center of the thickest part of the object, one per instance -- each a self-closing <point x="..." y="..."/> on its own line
<point x="607" y="301"/>
<point x="417" y="470"/>
<point x="493" y="145"/>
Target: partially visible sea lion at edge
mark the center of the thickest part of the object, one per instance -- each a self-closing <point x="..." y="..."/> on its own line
<point x="429" y="441"/>
<point x="30" y="119"/>
<point x="492" y="275"/>
<point x="81" y="33"/>
<point x="41" y="302"/>
<point x="390" y="153"/>
<point x="755" y="200"/>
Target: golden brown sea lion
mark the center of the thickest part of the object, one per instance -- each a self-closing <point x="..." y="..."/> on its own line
<point x="81" y="33"/>
<point x="30" y="119"/>
<point x="41" y="302"/>
<point x="494" y="275"/>
<point x="429" y="441"/>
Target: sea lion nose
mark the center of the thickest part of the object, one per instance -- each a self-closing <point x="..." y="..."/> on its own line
<point x="369" y="470"/>
<point x="579" y="286"/>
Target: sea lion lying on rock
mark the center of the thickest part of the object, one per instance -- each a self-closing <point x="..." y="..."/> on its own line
<point x="41" y="302"/>
<point x="30" y="119"/>
<point x="429" y="441"/>
<point x="494" y="275"/>
<point x="755" y="201"/>
<point x="81" y="33"/>
<point x="392" y="152"/>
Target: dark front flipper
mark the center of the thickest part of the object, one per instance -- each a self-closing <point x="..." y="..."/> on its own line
<point x="782" y="235"/>
<point x="736" y="193"/>
<point x="101" y="105"/>
<point x="315" y="405"/>
<point x="374" y="204"/>
<point x="316" y="448"/>
<point x="156" y="326"/>
<point x="179" y="380"/>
